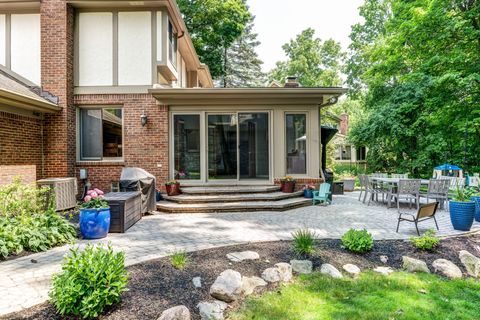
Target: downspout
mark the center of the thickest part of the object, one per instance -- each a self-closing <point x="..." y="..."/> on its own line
<point x="42" y="147"/>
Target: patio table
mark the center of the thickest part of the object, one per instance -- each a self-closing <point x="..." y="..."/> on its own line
<point x="393" y="182"/>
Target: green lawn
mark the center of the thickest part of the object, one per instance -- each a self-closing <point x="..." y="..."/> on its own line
<point x="398" y="296"/>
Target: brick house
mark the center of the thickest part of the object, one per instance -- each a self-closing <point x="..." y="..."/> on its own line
<point x="102" y="85"/>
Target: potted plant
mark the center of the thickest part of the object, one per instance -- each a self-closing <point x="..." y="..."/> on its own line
<point x="173" y="187"/>
<point x="348" y="181"/>
<point x="476" y="198"/>
<point x="94" y="215"/>
<point x="462" y="209"/>
<point x="287" y="184"/>
<point x="308" y="190"/>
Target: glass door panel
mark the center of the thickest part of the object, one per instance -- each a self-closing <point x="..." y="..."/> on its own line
<point x="222" y="146"/>
<point x="186" y="146"/>
<point x="253" y="146"/>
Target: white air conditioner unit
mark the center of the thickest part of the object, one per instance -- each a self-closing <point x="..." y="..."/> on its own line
<point x="64" y="189"/>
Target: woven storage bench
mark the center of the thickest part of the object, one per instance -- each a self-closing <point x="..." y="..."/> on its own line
<point x="125" y="210"/>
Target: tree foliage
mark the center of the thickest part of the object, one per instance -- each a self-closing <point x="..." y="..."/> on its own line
<point x="416" y="67"/>
<point x="214" y="25"/>
<point x="314" y="62"/>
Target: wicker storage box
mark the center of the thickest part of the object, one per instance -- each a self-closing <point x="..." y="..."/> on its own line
<point x="64" y="189"/>
<point x="125" y="210"/>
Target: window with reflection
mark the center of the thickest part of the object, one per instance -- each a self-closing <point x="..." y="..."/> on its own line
<point x="186" y="144"/>
<point x="296" y="143"/>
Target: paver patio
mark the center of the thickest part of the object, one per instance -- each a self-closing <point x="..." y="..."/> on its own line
<point x="24" y="284"/>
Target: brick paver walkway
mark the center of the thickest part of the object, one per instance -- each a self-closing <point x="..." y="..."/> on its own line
<point x="24" y="284"/>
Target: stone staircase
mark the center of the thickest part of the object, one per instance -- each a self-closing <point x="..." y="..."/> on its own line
<point x="215" y="198"/>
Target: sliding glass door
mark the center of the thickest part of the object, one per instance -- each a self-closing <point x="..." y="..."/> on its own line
<point x="238" y="146"/>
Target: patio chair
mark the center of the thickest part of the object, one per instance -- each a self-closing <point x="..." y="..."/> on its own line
<point x="425" y="212"/>
<point x="407" y="190"/>
<point x="374" y="189"/>
<point x="438" y="191"/>
<point x="322" y="194"/>
<point x="400" y="175"/>
<point x="363" y="185"/>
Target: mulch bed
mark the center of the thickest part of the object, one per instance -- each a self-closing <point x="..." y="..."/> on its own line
<point x="155" y="285"/>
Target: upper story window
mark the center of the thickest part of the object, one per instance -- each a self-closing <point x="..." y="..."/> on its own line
<point x="172" y="45"/>
<point x="101" y="134"/>
<point x="361" y="154"/>
<point x="20" y="44"/>
<point x="343" y="153"/>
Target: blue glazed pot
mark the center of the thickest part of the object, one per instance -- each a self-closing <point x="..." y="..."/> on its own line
<point x="477" y="210"/>
<point x="94" y="223"/>
<point x="462" y="215"/>
<point x="307" y="193"/>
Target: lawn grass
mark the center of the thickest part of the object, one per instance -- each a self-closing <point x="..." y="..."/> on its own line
<point x="371" y="296"/>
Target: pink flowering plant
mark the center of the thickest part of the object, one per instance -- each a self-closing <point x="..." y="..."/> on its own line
<point x="309" y="186"/>
<point x="94" y="200"/>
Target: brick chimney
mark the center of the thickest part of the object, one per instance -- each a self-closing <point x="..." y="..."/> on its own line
<point x="344" y="123"/>
<point x="292" y="82"/>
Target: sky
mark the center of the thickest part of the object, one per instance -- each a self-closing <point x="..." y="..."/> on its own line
<point x="279" y="21"/>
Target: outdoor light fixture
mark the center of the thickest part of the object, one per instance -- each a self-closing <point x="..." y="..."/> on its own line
<point x="144" y="118"/>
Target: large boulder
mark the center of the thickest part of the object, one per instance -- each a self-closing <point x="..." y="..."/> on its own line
<point x="447" y="268"/>
<point x="471" y="263"/>
<point x="383" y="270"/>
<point x="302" y="266"/>
<point x="228" y="286"/>
<point x="176" y="313"/>
<point x="414" y="265"/>
<point x="243" y="255"/>
<point x="212" y="310"/>
<point x="351" y="269"/>
<point x="271" y="275"/>
<point x="330" y="270"/>
<point x="250" y="283"/>
<point x="285" y="270"/>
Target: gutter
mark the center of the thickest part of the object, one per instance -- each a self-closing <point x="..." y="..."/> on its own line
<point x="24" y="102"/>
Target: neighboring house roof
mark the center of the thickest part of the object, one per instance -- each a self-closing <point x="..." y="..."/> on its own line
<point x="17" y="92"/>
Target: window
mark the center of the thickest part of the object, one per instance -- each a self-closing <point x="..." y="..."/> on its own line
<point x="361" y="154"/>
<point x="101" y="134"/>
<point x="186" y="144"/>
<point x="172" y="45"/>
<point x="347" y="153"/>
<point x="296" y="143"/>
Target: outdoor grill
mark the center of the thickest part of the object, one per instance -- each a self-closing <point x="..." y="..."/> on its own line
<point x="137" y="179"/>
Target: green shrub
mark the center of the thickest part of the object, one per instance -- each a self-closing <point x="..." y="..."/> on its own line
<point x="17" y="198"/>
<point x="304" y="241"/>
<point x="179" y="260"/>
<point x="90" y="281"/>
<point x="428" y="241"/>
<point x="357" y="241"/>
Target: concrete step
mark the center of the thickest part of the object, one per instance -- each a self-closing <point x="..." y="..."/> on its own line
<point x="239" y="197"/>
<point x="228" y="189"/>
<point x="241" y="206"/>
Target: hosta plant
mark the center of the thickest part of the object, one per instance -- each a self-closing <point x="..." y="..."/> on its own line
<point x="358" y="241"/>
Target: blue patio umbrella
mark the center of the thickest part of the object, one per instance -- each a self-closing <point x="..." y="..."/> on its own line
<point x="447" y="167"/>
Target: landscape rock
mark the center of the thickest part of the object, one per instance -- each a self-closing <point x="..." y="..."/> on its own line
<point x="302" y="266"/>
<point x="250" y="283"/>
<point x="271" y="275"/>
<point x="330" y="270"/>
<point x="243" y="255"/>
<point x="176" y="313"/>
<point x="197" y="282"/>
<point x="414" y="265"/>
<point x="384" y="259"/>
<point x="471" y="263"/>
<point x="383" y="270"/>
<point x="285" y="270"/>
<point x="228" y="286"/>
<point x="351" y="269"/>
<point x="447" y="268"/>
<point x="212" y="310"/>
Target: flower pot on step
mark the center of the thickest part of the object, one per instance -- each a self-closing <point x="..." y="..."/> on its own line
<point x="173" y="189"/>
<point x="288" y="186"/>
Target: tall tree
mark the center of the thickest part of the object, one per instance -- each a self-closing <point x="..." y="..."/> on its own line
<point x="243" y="67"/>
<point x="314" y="62"/>
<point x="213" y="26"/>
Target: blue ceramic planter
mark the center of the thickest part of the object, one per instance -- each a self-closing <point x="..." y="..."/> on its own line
<point x="477" y="210"/>
<point x="307" y="193"/>
<point x="94" y="223"/>
<point x="462" y="215"/>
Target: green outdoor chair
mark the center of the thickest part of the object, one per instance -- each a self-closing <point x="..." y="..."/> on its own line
<point x="322" y="194"/>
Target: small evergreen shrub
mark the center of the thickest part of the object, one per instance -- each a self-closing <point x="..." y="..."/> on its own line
<point x="304" y="241"/>
<point x="428" y="241"/>
<point x="90" y="281"/>
<point x="179" y="260"/>
<point x="358" y="241"/>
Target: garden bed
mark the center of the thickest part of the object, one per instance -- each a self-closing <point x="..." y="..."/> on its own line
<point x="155" y="285"/>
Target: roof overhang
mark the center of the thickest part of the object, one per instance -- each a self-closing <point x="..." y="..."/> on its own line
<point x="247" y="96"/>
<point x="15" y="100"/>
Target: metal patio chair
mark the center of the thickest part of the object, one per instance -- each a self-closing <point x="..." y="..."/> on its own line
<point x="408" y="190"/>
<point x="425" y="212"/>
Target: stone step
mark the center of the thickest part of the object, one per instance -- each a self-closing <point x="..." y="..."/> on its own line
<point x="241" y="206"/>
<point x="201" y="198"/>
<point x="229" y="189"/>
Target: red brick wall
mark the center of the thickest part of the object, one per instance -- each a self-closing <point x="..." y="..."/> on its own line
<point x="144" y="147"/>
<point x="26" y="172"/>
<point x="300" y="182"/>
<point x="21" y="144"/>
<point x="57" y="21"/>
